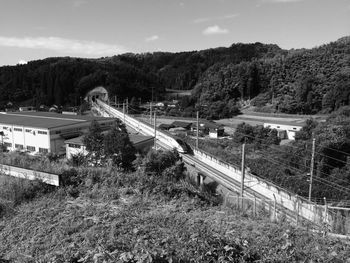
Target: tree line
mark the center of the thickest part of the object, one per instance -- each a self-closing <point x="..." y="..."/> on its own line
<point x="304" y="81"/>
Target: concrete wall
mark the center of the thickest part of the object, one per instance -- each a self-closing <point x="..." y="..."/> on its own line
<point x="48" y="178"/>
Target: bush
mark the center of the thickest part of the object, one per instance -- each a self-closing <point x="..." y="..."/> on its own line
<point x="70" y="178"/>
<point x="78" y="159"/>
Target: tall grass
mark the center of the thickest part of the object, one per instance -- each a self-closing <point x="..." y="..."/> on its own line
<point x="16" y="190"/>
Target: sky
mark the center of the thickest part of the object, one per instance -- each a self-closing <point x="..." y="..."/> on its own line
<point x="36" y="29"/>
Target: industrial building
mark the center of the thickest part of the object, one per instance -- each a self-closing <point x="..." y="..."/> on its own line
<point x="44" y="132"/>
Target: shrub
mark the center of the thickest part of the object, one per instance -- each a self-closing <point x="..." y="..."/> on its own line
<point x="70" y="178"/>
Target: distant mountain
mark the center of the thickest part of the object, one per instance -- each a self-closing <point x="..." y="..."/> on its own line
<point x="298" y="81"/>
<point x="273" y="79"/>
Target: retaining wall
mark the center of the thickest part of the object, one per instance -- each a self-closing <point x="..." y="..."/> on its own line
<point x="48" y="178"/>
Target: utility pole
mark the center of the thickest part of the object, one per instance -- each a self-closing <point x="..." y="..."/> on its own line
<point x="243" y="172"/>
<point x="155" y="130"/>
<point x="2" y="134"/>
<point x="312" y="166"/>
<point x="150" y="112"/>
<point x="124" y="112"/>
<point x="127" y="106"/>
<point x="115" y="101"/>
<point x="197" y="129"/>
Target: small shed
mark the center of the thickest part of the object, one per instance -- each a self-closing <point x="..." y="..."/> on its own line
<point x="165" y="126"/>
<point x="285" y="130"/>
<point x="182" y="124"/>
<point x="213" y="129"/>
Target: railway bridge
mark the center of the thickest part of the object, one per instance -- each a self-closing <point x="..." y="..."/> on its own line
<point x="228" y="175"/>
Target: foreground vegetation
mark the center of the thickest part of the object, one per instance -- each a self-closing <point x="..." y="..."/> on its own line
<point x="155" y="214"/>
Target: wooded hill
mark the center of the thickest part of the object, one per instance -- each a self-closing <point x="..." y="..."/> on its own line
<point x="295" y="81"/>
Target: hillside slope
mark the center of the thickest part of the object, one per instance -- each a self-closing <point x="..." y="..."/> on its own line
<point x="136" y="227"/>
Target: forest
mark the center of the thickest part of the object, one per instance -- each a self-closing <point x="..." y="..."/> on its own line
<point x="303" y="81"/>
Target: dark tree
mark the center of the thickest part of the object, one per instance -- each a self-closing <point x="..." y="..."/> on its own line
<point x="118" y="147"/>
<point x="94" y="143"/>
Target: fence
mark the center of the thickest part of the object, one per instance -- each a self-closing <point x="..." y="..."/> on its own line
<point x="258" y="208"/>
<point x="317" y="214"/>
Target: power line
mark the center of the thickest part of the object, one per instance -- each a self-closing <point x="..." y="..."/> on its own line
<point x="319" y="179"/>
<point x="334" y="185"/>
<point x="342" y="152"/>
<point x="336" y="159"/>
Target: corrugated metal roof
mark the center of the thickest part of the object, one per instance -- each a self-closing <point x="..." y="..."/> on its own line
<point x="134" y="138"/>
<point x="181" y="124"/>
<point x="286" y="123"/>
<point x="44" y="120"/>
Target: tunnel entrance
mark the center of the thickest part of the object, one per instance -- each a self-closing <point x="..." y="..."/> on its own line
<point x="97" y="93"/>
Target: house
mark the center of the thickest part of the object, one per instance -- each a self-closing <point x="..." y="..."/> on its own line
<point x="285" y="130"/>
<point x="181" y="124"/>
<point x="76" y="146"/>
<point x="27" y="108"/>
<point x="44" y="132"/>
<point x="213" y="129"/>
<point x="165" y="126"/>
<point x="160" y="105"/>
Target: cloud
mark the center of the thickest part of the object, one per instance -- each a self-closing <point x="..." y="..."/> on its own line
<point x="207" y="19"/>
<point x="214" y="30"/>
<point x="152" y="38"/>
<point x="69" y="46"/>
<point x="182" y="4"/>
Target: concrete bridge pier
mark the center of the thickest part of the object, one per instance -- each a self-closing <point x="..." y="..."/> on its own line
<point x="200" y="179"/>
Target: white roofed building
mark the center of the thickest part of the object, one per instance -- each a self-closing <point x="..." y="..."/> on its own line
<point x="286" y="130"/>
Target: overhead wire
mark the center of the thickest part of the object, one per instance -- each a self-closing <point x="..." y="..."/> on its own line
<point x="319" y="178"/>
<point x="342" y="152"/>
<point x="280" y="150"/>
<point x="310" y="151"/>
<point x="316" y="178"/>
